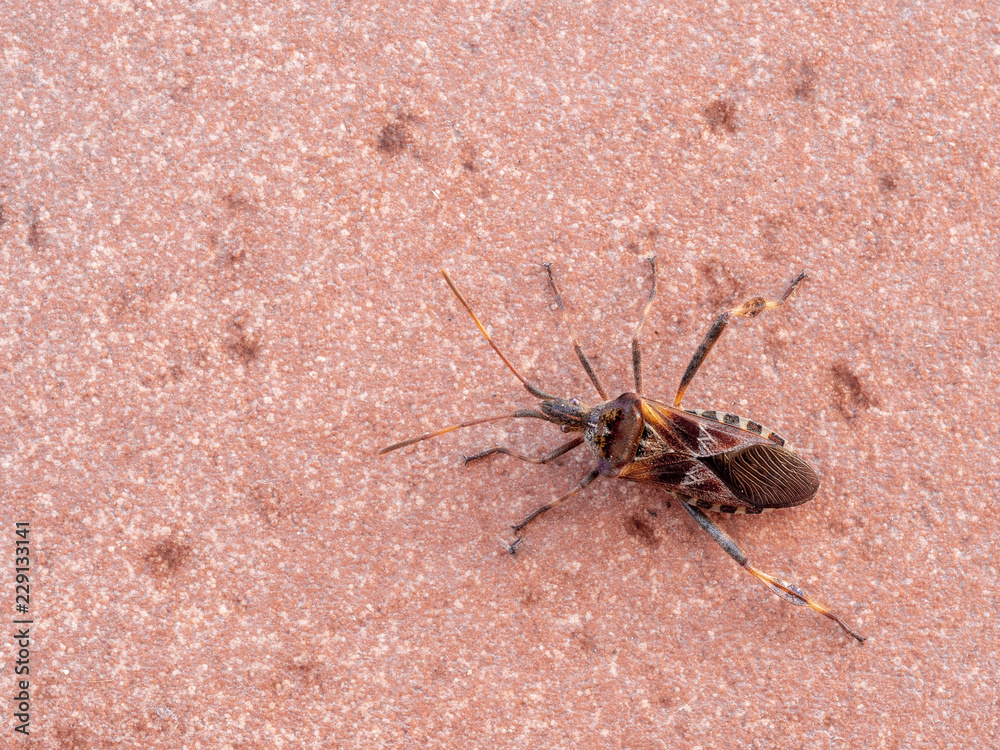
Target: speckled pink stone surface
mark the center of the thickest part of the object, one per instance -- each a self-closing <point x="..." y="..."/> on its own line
<point x="220" y="232"/>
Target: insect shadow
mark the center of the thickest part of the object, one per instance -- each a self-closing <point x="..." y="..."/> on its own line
<point x="709" y="460"/>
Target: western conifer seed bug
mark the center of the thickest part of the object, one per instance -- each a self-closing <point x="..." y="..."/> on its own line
<point x="708" y="459"/>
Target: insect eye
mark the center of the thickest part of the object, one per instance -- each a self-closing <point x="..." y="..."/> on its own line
<point x="575" y="401"/>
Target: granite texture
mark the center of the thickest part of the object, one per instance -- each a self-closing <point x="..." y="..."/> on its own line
<point x="221" y="226"/>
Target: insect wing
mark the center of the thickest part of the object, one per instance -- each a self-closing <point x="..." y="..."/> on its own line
<point x="684" y="474"/>
<point x="718" y="463"/>
<point x="684" y="432"/>
<point x="765" y="476"/>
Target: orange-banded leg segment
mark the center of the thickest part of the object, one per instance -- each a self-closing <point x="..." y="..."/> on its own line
<point x="749" y="309"/>
<point x="636" y="349"/>
<point x="512" y="546"/>
<point x="787" y="591"/>
<point x="551" y="456"/>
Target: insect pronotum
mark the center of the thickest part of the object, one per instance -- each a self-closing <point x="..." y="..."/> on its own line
<point x="709" y="460"/>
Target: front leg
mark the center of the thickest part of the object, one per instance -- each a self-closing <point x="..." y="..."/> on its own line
<point x="551" y="456"/>
<point x="512" y="546"/>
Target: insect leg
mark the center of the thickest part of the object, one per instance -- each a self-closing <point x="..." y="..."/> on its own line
<point x="787" y="591"/>
<point x="749" y="309"/>
<point x="519" y="414"/>
<point x="551" y="456"/>
<point x="512" y="547"/>
<point x="636" y="353"/>
<point x="584" y="360"/>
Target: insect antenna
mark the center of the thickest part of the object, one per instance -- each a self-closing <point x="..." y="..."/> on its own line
<point x="532" y="389"/>
<point x="520" y="414"/>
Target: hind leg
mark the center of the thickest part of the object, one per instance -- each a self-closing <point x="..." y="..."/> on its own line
<point x="787" y="591"/>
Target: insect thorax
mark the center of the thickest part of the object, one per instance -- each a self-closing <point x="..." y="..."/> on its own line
<point x="613" y="432"/>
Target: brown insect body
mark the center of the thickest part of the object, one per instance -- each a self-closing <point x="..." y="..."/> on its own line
<point x="726" y="463"/>
<point x="726" y="467"/>
<point x="709" y="460"/>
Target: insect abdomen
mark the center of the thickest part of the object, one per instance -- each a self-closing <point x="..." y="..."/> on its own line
<point x="716" y="508"/>
<point x="741" y="423"/>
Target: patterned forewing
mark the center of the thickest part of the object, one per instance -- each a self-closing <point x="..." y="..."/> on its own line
<point x="765" y="476"/>
<point x="684" y="432"/>
<point x="723" y="460"/>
